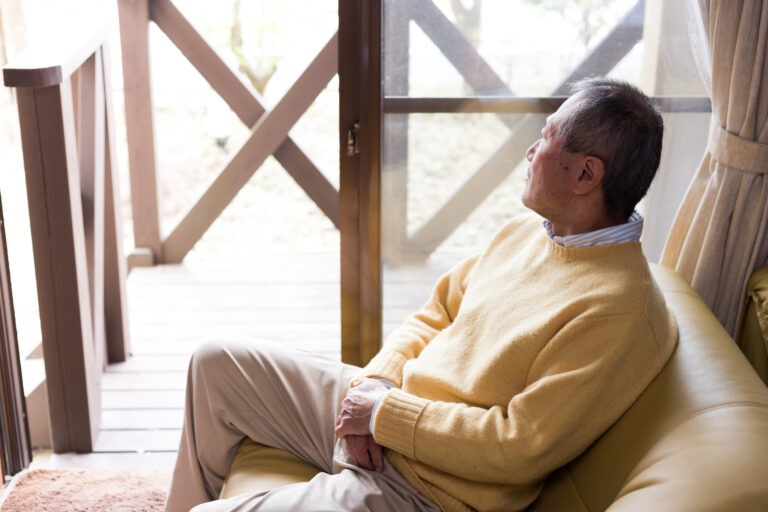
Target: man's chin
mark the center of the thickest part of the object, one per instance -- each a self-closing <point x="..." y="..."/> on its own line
<point x="525" y="199"/>
<point x="528" y="205"/>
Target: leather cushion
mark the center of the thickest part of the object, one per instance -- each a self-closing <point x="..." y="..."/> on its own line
<point x="259" y="468"/>
<point x="753" y="335"/>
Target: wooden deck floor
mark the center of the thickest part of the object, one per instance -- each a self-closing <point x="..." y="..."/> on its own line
<point x="291" y="299"/>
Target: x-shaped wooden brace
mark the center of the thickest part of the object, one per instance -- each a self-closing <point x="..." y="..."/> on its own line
<point x="269" y="129"/>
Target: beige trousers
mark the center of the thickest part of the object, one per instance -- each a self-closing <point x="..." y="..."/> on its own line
<point x="282" y="398"/>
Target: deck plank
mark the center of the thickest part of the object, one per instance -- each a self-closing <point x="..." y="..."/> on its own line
<point x="158" y="399"/>
<point x="113" y="381"/>
<point x="142" y="419"/>
<point x="138" y="441"/>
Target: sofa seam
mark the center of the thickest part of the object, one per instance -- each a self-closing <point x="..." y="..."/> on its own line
<point x="760" y="405"/>
<point x="576" y="487"/>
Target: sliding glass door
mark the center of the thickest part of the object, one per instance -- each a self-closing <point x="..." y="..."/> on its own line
<point x="467" y="87"/>
<point x="455" y="95"/>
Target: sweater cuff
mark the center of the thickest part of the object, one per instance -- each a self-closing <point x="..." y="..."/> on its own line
<point x="394" y="421"/>
<point x="387" y="364"/>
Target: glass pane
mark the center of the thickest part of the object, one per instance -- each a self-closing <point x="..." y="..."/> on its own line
<point x="450" y="179"/>
<point x="522" y="47"/>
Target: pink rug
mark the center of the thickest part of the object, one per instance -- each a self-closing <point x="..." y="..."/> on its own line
<point x="88" y="490"/>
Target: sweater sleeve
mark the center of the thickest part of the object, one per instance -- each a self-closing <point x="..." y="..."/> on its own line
<point x="408" y="340"/>
<point x="585" y="377"/>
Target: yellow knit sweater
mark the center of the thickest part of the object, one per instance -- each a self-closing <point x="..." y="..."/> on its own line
<point x="520" y="359"/>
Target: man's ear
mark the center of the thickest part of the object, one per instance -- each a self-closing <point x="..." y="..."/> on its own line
<point x="591" y="173"/>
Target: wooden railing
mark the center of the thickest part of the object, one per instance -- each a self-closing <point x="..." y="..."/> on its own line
<point x="269" y="130"/>
<point x="65" y="111"/>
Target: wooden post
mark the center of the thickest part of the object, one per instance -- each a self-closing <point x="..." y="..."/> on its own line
<point x="90" y="140"/>
<point x="134" y="37"/>
<point x="56" y="218"/>
<point x="115" y="300"/>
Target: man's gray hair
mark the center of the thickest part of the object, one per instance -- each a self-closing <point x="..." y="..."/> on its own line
<point x="617" y="123"/>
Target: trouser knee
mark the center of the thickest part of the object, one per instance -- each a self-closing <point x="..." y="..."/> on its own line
<point x="228" y="358"/>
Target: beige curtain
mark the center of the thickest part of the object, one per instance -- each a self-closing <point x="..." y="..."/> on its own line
<point x="719" y="235"/>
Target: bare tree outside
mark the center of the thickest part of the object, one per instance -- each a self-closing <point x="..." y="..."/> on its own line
<point x="467" y="15"/>
<point x="588" y="15"/>
<point x="254" y="63"/>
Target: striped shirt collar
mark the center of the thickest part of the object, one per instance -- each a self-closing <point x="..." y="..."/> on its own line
<point x="621" y="233"/>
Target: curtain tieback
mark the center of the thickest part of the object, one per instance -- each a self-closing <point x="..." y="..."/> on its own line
<point x="736" y="152"/>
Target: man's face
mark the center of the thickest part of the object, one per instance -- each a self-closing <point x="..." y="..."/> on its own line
<point x="552" y="169"/>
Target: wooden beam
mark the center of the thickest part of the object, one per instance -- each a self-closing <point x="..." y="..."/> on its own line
<point x="90" y="141"/>
<point x="472" y="104"/>
<point x="115" y="299"/>
<point x="264" y="140"/>
<point x="140" y="257"/>
<point x="524" y="132"/>
<point x="134" y="38"/>
<point x="56" y="219"/>
<point x="44" y="65"/>
<point x="244" y="101"/>
<point x="517" y="105"/>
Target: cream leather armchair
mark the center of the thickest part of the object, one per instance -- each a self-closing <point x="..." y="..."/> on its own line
<point x="696" y="440"/>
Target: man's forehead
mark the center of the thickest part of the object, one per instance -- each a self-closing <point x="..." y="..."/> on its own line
<point x="553" y="120"/>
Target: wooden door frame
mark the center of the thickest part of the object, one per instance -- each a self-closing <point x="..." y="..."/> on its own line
<point x="360" y="93"/>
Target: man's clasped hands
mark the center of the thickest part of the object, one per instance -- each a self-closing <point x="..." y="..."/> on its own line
<point x="353" y="422"/>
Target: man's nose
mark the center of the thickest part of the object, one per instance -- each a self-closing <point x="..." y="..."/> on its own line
<point x="532" y="150"/>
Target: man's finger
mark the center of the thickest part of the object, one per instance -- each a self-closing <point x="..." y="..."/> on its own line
<point x="376" y="455"/>
<point x="357" y="446"/>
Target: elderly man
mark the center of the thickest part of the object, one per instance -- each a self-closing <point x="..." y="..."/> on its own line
<point x="520" y="359"/>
